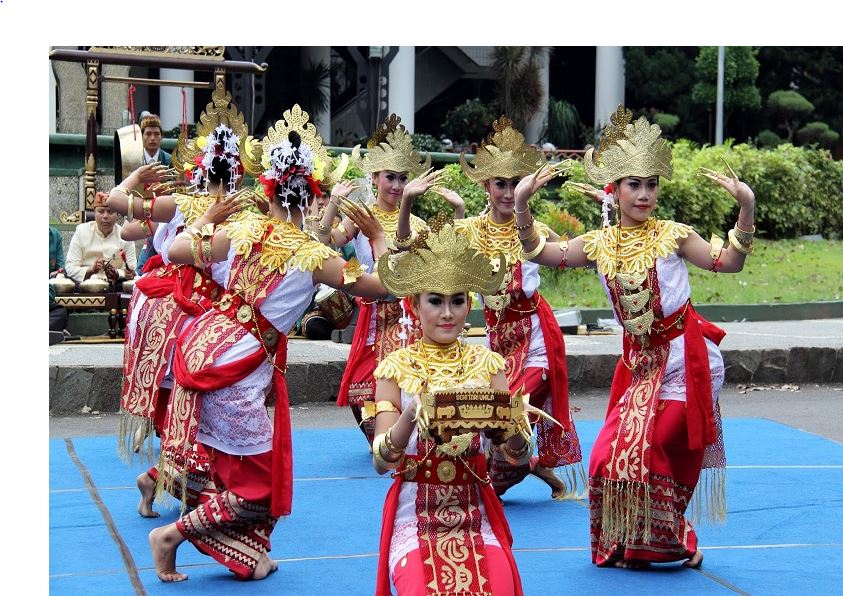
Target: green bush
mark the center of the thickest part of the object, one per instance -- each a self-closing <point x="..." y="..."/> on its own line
<point x="667" y="122"/>
<point x="768" y="138"/>
<point x="560" y="221"/>
<point x="426" y="142"/>
<point x="817" y="132"/>
<point x="429" y="204"/>
<point x="468" y="122"/>
<point x="797" y="191"/>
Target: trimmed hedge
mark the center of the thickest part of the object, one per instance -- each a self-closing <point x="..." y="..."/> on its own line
<point x="797" y="191"/>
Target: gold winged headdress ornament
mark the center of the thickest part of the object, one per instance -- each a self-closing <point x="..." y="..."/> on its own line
<point x="295" y="161"/>
<point x="503" y="154"/>
<point x="390" y="148"/>
<point x="221" y="133"/>
<point x="441" y="260"/>
<point x="628" y="149"/>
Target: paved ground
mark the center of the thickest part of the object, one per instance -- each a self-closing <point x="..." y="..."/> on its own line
<point x="815" y="408"/>
<point x="826" y="333"/>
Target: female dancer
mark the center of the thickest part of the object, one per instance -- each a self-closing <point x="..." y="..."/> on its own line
<point x="229" y="359"/>
<point x="382" y="325"/>
<point x="663" y="422"/>
<point x="168" y="296"/>
<point x="444" y="531"/>
<point x="520" y="325"/>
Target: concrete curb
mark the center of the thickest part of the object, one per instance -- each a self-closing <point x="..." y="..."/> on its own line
<point x="73" y="387"/>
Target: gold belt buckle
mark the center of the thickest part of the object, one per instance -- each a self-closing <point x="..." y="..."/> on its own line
<point x="446" y="471"/>
<point x="244" y="313"/>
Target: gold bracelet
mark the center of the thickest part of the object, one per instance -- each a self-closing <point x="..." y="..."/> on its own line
<point x="527" y="225"/>
<point x="387" y="440"/>
<point x="518" y="457"/>
<point x="529" y="256"/>
<point x="743" y="236"/>
<point x="716" y="250"/>
<point x="147" y="208"/>
<point x="534" y="235"/>
<point x="324" y="230"/>
<point x="378" y="454"/>
<point x="130" y="214"/>
<point x="738" y="246"/>
<point x="122" y="189"/>
<point x="405" y="243"/>
<point x="145" y="226"/>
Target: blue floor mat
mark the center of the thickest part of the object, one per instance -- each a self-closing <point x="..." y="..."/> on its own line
<point x="782" y="535"/>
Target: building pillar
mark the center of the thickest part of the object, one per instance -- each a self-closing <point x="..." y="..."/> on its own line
<point x="52" y="98"/>
<point x="402" y="87"/>
<point x="536" y="125"/>
<point x="322" y="120"/>
<point x="609" y="84"/>
<point x="171" y="99"/>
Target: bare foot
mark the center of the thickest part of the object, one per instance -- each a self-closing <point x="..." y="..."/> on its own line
<point x="164" y="543"/>
<point x="558" y="490"/>
<point x="695" y="562"/>
<point x="140" y="435"/>
<point x="632" y="564"/>
<point x="146" y="486"/>
<point x="265" y="566"/>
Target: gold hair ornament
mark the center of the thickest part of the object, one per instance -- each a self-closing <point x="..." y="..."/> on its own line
<point x="629" y="149"/>
<point x="503" y="154"/>
<point x="390" y="148"/>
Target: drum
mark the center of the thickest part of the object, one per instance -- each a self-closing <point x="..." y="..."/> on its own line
<point x="128" y="152"/>
<point x="337" y="306"/>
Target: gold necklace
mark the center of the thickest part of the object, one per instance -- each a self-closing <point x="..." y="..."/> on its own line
<point x="388" y="219"/>
<point x="499" y="237"/>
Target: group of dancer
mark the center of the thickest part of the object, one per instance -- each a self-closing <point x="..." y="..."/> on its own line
<point x="206" y="345"/>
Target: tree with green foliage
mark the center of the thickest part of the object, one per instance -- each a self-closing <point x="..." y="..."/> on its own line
<point x="468" y="121"/>
<point x="817" y="133"/>
<point x="739" y="77"/>
<point x="791" y="107"/>
<point x="661" y="79"/>
<point x="816" y="72"/>
<point x="563" y="127"/>
<point x="519" y="86"/>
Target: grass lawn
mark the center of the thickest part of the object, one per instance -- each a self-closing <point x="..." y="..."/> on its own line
<point x="777" y="272"/>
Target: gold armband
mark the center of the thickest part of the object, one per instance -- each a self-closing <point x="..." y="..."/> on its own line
<point x="384" y="405"/>
<point x="716" y="249"/>
<point x="130" y="213"/>
<point x="529" y="256"/>
<point x="351" y="272"/>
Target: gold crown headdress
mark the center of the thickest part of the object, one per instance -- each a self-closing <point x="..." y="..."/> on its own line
<point x="150" y="120"/>
<point x="220" y="118"/>
<point x="503" y="154"/>
<point x="293" y="154"/>
<point x="629" y="149"/>
<point x="390" y="148"/>
<point x="441" y="260"/>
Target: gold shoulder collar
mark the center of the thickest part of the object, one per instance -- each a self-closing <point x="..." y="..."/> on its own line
<point x="192" y="206"/>
<point x="283" y="245"/>
<point x="633" y="250"/>
<point x="398" y="366"/>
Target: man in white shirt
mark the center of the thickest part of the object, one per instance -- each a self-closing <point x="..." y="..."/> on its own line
<point x="97" y="250"/>
<point x="151" y="132"/>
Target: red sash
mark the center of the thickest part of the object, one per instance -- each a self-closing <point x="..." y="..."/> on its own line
<point x="699" y="408"/>
<point x="494" y="511"/>
<point x="358" y="344"/>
